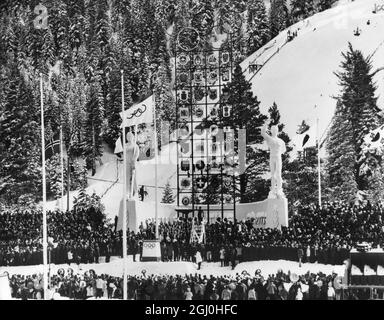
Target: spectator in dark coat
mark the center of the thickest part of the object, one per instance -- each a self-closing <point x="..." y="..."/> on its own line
<point x="233" y="257"/>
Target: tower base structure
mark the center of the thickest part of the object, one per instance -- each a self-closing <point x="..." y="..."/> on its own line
<point x="270" y="213"/>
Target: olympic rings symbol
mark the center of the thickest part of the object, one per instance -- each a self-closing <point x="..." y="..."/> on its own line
<point x="138" y="112"/>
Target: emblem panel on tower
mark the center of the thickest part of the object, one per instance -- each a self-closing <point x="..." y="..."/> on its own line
<point x="205" y="162"/>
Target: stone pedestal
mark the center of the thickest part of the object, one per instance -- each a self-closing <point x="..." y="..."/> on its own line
<point x="277" y="212"/>
<point x="132" y="223"/>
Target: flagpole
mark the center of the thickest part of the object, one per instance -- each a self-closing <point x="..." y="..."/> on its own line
<point x="156" y="160"/>
<point x="125" y="279"/>
<point x="62" y="167"/>
<point x="45" y="236"/>
<point x="68" y="174"/>
<point x="318" y="162"/>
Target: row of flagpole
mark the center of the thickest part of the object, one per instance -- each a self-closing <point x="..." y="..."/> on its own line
<point x="125" y="279"/>
<point x="156" y="159"/>
<point x="318" y="162"/>
<point x="45" y="231"/>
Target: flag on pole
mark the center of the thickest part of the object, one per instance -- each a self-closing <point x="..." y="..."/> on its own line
<point x="53" y="146"/>
<point x="139" y="113"/>
<point x="305" y="137"/>
<point x="118" y="145"/>
<point x="303" y="127"/>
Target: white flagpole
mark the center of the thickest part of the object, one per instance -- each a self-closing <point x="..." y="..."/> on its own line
<point x="125" y="278"/>
<point x="156" y="160"/>
<point x="62" y="168"/>
<point x="318" y="162"/>
<point x="45" y="236"/>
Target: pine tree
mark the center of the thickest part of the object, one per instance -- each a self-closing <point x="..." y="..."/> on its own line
<point x="236" y="23"/>
<point x="257" y="25"/>
<point x="94" y="126"/>
<point x="139" y="45"/>
<point x="203" y="18"/>
<point x="113" y="107"/>
<point x="301" y="9"/>
<point x="274" y="116"/>
<point x="356" y="115"/>
<point x="246" y="114"/>
<point x="278" y="17"/>
<point x="73" y="92"/>
<point x="325" y="4"/>
<point x="245" y="107"/>
<point x="168" y="196"/>
<point x="20" y="161"/>
<point x="223" y="14"/>
<point x="359" y="102"/>
<point x="182" y="19"/>
<point x="59" y="24"/>
<point x="48" y="52"/>
<point x="211" y="194"/>
<point x="9" y="41"/>
<point x="102" y="30"/>
<point x="53" y="170"/>
<point x="164" y="12"/>
<point x="158" y="52"/>
<point x="76" y="28"/>
<point x="33" y="43"/>
<point x="301" y="181"/>
<point x="165" y="104"/>
<point x="78" y="175"/>
<point x="341" y="156"/>
<point x="90" y="20"/>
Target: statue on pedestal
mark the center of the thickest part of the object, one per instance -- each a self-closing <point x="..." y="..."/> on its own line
<point x="277" y="148"/>
<point x="132" y="154"/>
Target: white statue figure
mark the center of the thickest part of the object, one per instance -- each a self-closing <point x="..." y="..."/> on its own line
<point x="132" y="152"/>
<point x="277" y="148"/>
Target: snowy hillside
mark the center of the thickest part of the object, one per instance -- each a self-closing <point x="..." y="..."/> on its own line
<point x="299" y="75"/>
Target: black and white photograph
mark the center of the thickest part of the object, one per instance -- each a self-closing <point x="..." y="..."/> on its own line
<point x="211" y="151"/>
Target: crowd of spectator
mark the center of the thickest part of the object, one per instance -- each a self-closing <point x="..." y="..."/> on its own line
<point x="80" y="235"/>
<point x="280" y="286"/>
<point x="323" y="234"/>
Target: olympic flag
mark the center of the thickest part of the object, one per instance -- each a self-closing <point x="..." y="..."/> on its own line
<point x="139" y="113"/>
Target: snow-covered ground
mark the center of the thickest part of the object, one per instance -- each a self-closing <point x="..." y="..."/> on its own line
<point x="115" y="268"/>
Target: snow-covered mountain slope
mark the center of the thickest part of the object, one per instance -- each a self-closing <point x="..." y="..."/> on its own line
<point x="300" y="74"/>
